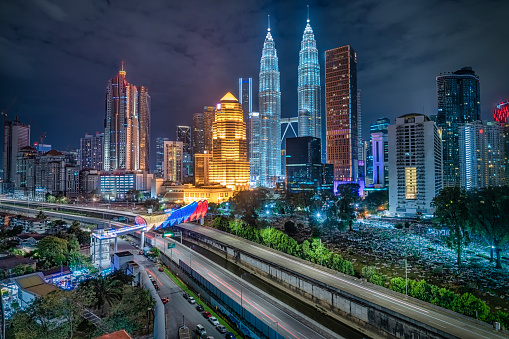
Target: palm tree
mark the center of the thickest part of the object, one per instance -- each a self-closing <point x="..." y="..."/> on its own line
<point x="104" y="290"/>
<point x="147" y="303"/>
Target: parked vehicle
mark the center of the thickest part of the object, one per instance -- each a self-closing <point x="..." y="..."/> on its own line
<point x="186" y="296"/>
<point x="206" y="314"/>
<point x="221" y="329"/>
<point x="161" y="269"/>
<point x="164" y="300"/>
<point x="191" y="300"/>
<point x="214" y="321"/>
<point x="199" y="308"/>
<point x="230" y="335"/>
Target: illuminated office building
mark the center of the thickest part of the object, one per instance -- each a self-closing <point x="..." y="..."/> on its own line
<point x="91" y="151"/>
<point x="160" y="156"/>
<point x="246" y="95"/>
<point x="173" y="161"/>
<point x="308" y="90"/>
<point x="208" y="120"/>
<point x="415" y="165"/>
<point x="144" y="104"/>
<point x="270" y="113"/>
<point x="459" y="99"/>
<point x="378" y="167"/>
<point x="501" y="113"/>
<point x="16" y="137"/>
<point x="341" y="112"/>
<point x="198" y="133"/>
<point x="254" y="129"/>
<point x="201" y="168"/>
<point x="481" y="155"/>
<point x="229" y="166"/>
<point x="184" y="135"/>
<point x="126" y="123"/>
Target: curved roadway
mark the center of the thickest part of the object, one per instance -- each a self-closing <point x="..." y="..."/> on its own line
<point x="449" y="322"/>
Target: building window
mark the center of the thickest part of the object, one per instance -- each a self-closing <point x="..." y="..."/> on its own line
<point x="410" y="183"/>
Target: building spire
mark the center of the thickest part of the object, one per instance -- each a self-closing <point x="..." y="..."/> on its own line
<point x="122" y="70"/>
<point x="268" y="28"/>
<point x="308" y="14"/>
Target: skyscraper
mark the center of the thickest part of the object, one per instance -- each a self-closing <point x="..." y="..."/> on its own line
<point x="123" y="124"/>
<point x="501" y="113"/>
<point x="16" y="136"/>
<point x="229" y="166"/>
<point x="208" y="120"/>
<point x="379" y="152"/>
<point x="341" y="112"/>
<point x="254" y="130"/>
<point x="173" y="158"/>
<point x="184" y="135"/>
<point x="160" y="157"/>
<point x="309" y="91"/>
<point x="144" y="105"/>
<point x="304" y="170"/>
<point x="198" y="133"/>
<point x="458" y="103"/>
<point x="415" y="165"/>
<point x="481" y="155"/>
<point x="246" y="95"/>
<point x="270" y="113"/>
<point x="91" y="151"/>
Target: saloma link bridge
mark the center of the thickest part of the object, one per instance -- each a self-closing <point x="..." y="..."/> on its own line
<point x="191" y="212"/>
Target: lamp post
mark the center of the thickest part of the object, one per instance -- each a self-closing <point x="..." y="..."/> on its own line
<point x="241" y="304"/>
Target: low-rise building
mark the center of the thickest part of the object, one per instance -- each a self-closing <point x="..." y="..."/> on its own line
<point x="9" y="261"/>
<point x="188" y="193"/>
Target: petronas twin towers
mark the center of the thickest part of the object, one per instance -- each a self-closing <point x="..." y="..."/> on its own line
<point x="309" y="109"/>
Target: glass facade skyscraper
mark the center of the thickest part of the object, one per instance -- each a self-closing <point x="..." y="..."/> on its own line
<point x="184" y="135"/>
<point x="459" y="102"/>
<point x="270" y="113"/>
<point x="308" y="90"/>
<point x="253" y="128"/>
<point x="341" y="112"/>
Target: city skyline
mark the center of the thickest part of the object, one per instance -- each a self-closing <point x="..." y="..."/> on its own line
<point x="398" y="62"/>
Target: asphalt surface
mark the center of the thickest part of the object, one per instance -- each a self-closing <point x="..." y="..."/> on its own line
<point x="289" y="323"/>
<point x="444" y="321"/>
<point x="177" y="310"/>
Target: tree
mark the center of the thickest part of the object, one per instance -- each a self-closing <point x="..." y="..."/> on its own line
<point x="376" y="201"/>
<point x="349" y="195"/>
<point x="41" y="216"/>
<point x="246" y="204"/>
<point x="50" y="198"/>
<point x="53" y="249"/>
<point x="489" y="209"/>
<point x="103" y="291"/>
<point x="154" y="252"/>
<point x="452" y="211"/>
<point x="82" y="236"/>
<point x="153" y="204"/>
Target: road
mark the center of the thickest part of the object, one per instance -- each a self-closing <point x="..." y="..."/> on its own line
<point x="433" y="317"/>
<point x="288" y="323"/>
<point x="177" y="309"/>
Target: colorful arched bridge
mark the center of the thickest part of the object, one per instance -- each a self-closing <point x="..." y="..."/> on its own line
<point x="192" y="212"/>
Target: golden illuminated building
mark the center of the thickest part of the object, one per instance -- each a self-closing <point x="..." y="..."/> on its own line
<point x="229" y="165"/>
<point x="201" y="168"/>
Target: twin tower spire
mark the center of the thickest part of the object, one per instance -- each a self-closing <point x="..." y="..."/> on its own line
<point x="309" y="109"/>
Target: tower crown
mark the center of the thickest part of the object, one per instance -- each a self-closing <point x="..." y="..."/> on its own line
<point x="122" y="70"/>
<point x="229" y="97"/>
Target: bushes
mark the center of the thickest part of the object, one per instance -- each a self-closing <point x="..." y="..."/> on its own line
<point x="313" y="251"/>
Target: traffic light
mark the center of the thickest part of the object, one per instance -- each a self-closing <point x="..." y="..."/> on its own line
<point x="168" y="234"/>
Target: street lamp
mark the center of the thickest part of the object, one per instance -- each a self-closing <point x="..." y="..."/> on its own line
<point x="241" y="305"/>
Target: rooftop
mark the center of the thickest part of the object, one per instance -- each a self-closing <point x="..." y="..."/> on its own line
<point x="123" y="254"/>
<point x="122" y="334"/>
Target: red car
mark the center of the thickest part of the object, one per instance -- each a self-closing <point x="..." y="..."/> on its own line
<point x="164" y="300"/>
<point x="140" y="253"/>
<point x="206" y="314"/>
<point x="161" y="269"/>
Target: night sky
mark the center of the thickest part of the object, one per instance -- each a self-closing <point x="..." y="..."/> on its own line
<point x="56" y="56"/>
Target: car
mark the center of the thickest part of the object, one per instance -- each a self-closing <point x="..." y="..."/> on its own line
<point x="186" y="296"/>
<point x="161" y="269"/>
<point x="213" y="321"/>
<point x="221" y="329"/>
<point x="164" y="300"/>
<point x="140" y="252"/>
<point x="210" y="337"/>
<point x="199" y="308"/>
<point x="230" y="335"/>
<point x="206" y="314"/>
<point x="200" y="330"/>
<point x="191" y="300"/>
<point x="150" y="277"/>
<point x="156" y="286"/>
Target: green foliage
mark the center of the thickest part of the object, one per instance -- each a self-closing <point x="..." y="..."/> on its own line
<point x="451" y="211"/>
<point x="378" y="279"/>
<point x="54" y="250"/>
<point x="50" y="198"/>
<point x="290" y="227"/>
<point x="399" y="226"/>
<point x="154" y="252"/>
<point x="398" y="284"/>
<point x="221" y="223"/>
<point x="248" y="203"/>
<point x="368" y="271"/>
<point x="102" y="291"/>
<point x="376" y="200"/>
<point x="153" y="204"/>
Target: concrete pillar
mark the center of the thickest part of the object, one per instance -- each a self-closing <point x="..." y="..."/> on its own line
<point x="142" y="241"/>
<point x="100" y="253"/>
<point x="202" y="221"/>
<point x="116" y="244"/>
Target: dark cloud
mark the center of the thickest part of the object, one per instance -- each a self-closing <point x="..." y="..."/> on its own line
<point x="57" y="55"/>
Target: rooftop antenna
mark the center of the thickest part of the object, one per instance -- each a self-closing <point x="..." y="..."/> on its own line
<point x="268" y="29"/>
<point x="308" y="13"/>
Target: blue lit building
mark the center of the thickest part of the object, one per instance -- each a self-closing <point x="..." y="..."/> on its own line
<point x="254" y="129"/>
<point x="309" y="92"/>
<point x="459" y="102"/>
<point x="270" y="114"/>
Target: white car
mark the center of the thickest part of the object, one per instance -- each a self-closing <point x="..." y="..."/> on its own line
<point x="214" y="321"/>
<point x="191" y="300"/>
